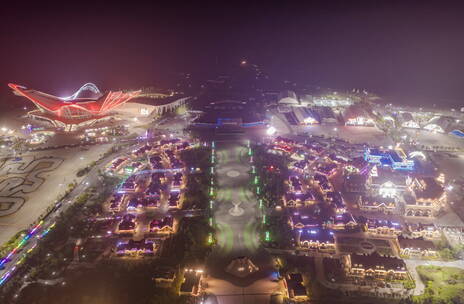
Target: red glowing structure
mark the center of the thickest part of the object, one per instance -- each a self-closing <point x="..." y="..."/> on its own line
<point x="84" y="107"/>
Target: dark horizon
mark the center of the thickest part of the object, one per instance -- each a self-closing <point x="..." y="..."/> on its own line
<point x="409" y="50"/>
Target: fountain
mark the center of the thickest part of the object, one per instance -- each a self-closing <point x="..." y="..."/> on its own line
<point x="236" y="210"/>
<point x="233" y="173"/>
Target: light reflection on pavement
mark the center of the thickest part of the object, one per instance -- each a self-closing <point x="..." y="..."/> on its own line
<point x="237" y="235"/>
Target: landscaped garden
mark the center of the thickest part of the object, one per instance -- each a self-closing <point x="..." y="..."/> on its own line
<point x="443" y="285"/>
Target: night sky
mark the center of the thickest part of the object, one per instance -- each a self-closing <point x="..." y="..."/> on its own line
<point x="404" y="49"/>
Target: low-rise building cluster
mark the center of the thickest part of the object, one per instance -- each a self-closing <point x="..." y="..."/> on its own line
<point x="366" y="208"/>
<point x="154" y="182"/>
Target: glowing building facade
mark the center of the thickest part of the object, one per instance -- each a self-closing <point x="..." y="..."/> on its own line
<point x="408" y="121"/>
<point x="86" y="106"/>
<point x="388" y="158"/>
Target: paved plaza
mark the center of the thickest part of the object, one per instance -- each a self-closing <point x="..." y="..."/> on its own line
<point x="21" y="177"/>
<point x="238" y="233"/>
<point x="36" y="181"/>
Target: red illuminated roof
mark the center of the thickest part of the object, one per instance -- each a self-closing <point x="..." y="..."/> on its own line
<point x="74" y="106"/>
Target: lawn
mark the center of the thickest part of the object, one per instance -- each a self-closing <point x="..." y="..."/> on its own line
<point x="443" y="284"/>
<point x="115" y="282"/>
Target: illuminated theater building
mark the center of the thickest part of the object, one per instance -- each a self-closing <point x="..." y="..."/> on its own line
<point x="85" y="107"/>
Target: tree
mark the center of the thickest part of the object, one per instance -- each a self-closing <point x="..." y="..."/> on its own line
<point x="18" y="145"/>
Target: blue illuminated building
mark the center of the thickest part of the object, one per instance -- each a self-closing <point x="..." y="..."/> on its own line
<point x="458" y="133"/>
<point x="388" y="158"/>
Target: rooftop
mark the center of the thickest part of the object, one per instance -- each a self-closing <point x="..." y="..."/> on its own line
<point x="388" y="175"/>
<point x="416" y="243"/>
<point x="317" y="235"/>
<point x="427" y="188"/>
<point x="378" y="200"/>
<point x="374" y="223"/>
<point x="421" y="227"/>
<point x="191" y="280"/>
<point x="131" y="245"/>
<point x="375" y="260"/>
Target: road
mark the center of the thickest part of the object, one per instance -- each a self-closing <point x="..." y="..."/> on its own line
<point x="174" y="125"/>
<point x="237" y="232"/>
<point x="169" y="127"/>
<point x="90" y="180"/>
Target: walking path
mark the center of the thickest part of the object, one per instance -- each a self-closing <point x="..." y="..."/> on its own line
<point x="237" y="222"/>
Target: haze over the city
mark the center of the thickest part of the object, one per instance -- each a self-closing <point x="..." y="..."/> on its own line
<point x="232" y="153"/>
<point x="410" y="50"/>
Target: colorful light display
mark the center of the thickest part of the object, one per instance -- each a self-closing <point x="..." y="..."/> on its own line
<point x="20" y="245"/>
<point x="74" y="109"/>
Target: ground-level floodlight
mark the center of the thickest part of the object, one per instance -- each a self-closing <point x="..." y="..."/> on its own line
<point x="271" y="131"/>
